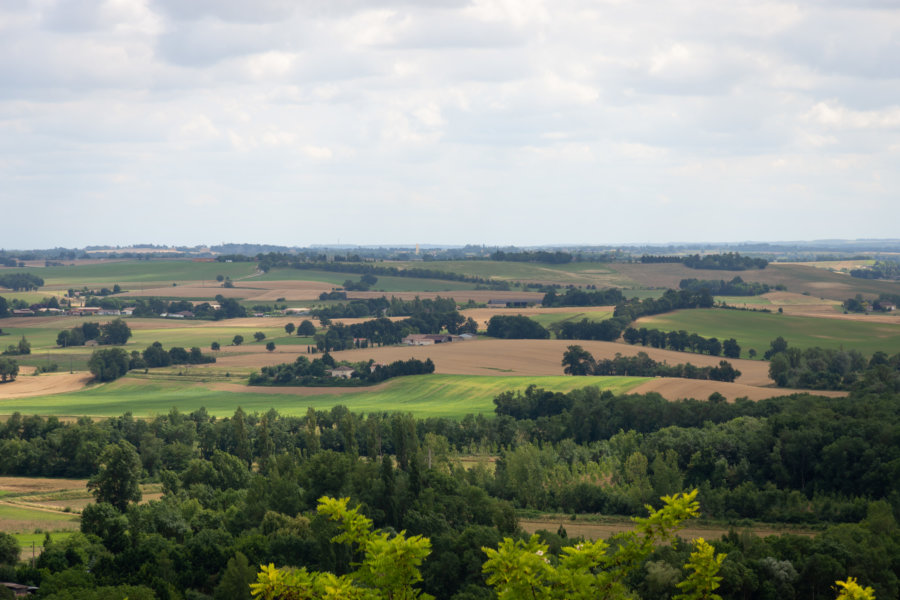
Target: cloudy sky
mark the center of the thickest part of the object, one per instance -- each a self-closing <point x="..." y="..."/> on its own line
<point x="447" y="121"/>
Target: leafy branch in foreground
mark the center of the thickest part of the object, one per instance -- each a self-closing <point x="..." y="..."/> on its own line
<point x="516" y="569"/>
<point x="389" y="569"/>
<point x="524" y="569"/>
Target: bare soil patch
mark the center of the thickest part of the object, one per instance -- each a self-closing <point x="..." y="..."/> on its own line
<point x="48" y="383"/>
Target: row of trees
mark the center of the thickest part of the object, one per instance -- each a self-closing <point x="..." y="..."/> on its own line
<point x="682" y="341"/>
<point x="671" y="300"/>
<point x="382" y="307"/>
<point x="578" y="361"/>
<point x="20" y="281"/>
<point x="303" y="372"/>
<point x="115" y="332"/>
<point x="580" y="297"/>
<point x="799" y="458"/>
<point x="735" y="287"/>
<point x="882" y="269"/>
<point x="537" y="256"/>
<point x="729" y="261"/>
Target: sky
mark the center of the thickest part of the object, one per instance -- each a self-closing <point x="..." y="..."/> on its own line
<point x="525" y="122"/>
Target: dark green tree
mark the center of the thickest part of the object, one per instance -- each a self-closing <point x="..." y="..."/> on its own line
<point x="289" y="328"/>
<point x="270" y="346"/>
<point x="306" y="328"/>
<point x="8" y="369"/>
<point x="731" y="349"/>
<point x="236" y="580"/>
<point x="577" y="361"/>
<point x="259" y="336"/>
<point x="115" y="332"/>
<point x="116" y="481"/>
<point x="108" y="364"/>
<point x="238" y="340"/>
<point x="9" y="549"/>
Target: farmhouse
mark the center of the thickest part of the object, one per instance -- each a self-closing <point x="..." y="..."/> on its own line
<point x="342" y="372"/>
<point x="426" y="339"/>
<point x="81" y="311"/>
<point x="22" y="312"/>
<point x="109" y="311"/>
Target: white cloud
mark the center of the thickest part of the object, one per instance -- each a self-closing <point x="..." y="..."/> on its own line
<point x="404" y="112"/>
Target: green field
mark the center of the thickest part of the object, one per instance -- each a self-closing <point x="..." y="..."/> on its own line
<point x="579" y="273"/>
<point x="756" y="330"/>
<point x="591" y="315"/>
<point x="144" y="332"/>
<point x="422" y="395"/>
<point x="385" y="283"/>
<point x="20" y="519"/>
<point x="138" y="271"/>
<point x="27" y="539"/>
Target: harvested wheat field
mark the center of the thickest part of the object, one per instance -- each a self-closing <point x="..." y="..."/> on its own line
<point x="461" y="296"/>
<point x="495" y="357"/>
<point x="604" y="530"/>
<point x="535" y="357"/>
<point x="39" y="485"/>
<point x="27" y="385"/>
<point x="246" y="289"/>
<point x="674" y="388"/>
<point x="797" y="278"/>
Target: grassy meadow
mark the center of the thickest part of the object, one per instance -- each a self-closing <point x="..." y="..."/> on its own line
<point x="757" y="329"/>
<point x="422" y="395"/>
<point x="385" y="283"/>
<point x="123" y="272"/>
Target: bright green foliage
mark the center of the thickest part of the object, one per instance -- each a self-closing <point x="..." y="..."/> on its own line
<point x="850" y="590"/>
<point x="591" y="570"/>
<point x="705" y="563"/>
<point x="389" y="568"/>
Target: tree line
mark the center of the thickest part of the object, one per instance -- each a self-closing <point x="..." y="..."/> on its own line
<point x="115" y="332"/>
<point x="682" y="341"/>
<point x="578" y="361"/>
<point x="303" y="372"/>
<point x="580" y="297"/>
<point x="802" y="459"/>
<point x="735" y="287"/>
<point x="882" y="269"/>
<point x="537" y="256"/>
<point x="20" y="281"/>
<point x="729" y="261"/>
